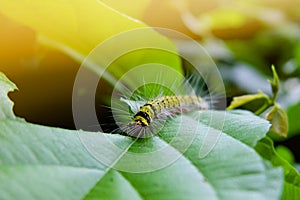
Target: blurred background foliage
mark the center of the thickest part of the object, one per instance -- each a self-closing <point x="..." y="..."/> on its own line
<point x="244" y="37"/>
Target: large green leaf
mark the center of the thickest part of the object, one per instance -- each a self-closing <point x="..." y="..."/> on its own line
<point x="80" y="27"/>
<point x="44" y="163"/>
<point x="40" y="162"/>
<point x="231" y="170"/>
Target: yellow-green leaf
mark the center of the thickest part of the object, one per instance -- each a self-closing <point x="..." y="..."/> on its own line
<point x="133" y="8"/>
<point x="78" y="24"/>
<point x="279" y="120"/>
<point x="275" y="83"/>
<point x="245" y="99"/>
<point x="76" y="27"/>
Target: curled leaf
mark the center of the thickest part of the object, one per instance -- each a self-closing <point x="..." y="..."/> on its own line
<point x="279" y="120"/>
<point x="245" y="99"/>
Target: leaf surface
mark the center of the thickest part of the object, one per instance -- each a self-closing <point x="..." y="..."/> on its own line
<point x="52" y="163"/>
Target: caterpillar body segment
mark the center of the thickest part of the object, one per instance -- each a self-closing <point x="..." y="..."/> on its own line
<point x="165" y="106"/>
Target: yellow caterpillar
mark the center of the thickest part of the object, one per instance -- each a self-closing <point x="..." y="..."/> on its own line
<point x="167" y="106"/>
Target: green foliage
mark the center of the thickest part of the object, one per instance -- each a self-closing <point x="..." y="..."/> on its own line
<point x="285" y="153"/>
<point x="52" y="163"/>
<point x="279" y="119"/>
<point x="245" y="99"/>
<point x="275" y="84"/>
<point x="292" y="177"/>
<point x="293" y="115"/>
<point x="276" y="115"/>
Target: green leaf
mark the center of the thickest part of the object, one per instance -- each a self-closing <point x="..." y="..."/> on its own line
<point x="279" y="120"/>
<point x="292" y="177"/>
<point x="6" y="105"/>
<point x="285" y="153"/>
<point x="58" y="158"/>
<point x="229" y="173"/>
<point x="290" y="191"/>
<point x="275" y="83"/>
<point x="237" y="124"/>
<point x="293" y="113"/>
<point x="46" y="182"/>
<point x="245" y="99"/>
<point x="45" y="163"/>
<point x="51" y="163"/>
<point x="113" y="186"/>
<point x="224" y="152"/>
<point x="297" y="55"/>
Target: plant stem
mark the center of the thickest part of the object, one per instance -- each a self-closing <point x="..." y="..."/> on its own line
<point x="263" y="108"/>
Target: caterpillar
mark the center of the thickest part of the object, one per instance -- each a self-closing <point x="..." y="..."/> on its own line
<point x="142" y="110"/>
<point x="167" y="104"/>
<point x="151" y="114"/>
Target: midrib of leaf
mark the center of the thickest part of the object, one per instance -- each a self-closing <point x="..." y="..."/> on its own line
<point x="184" y="155"/>
<point x="192" y="165"/>
<point x="128" y="183"/>
<point x="112" y="168"/>
<point x="211" y="182"/>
